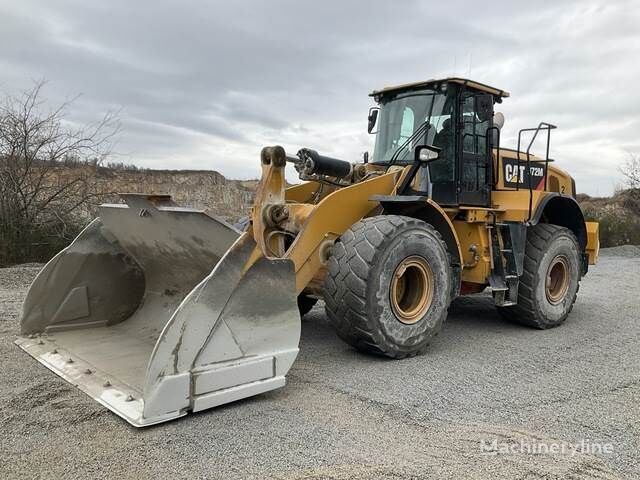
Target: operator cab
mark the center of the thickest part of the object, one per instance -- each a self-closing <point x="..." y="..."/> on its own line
<point x="454" y="115"/>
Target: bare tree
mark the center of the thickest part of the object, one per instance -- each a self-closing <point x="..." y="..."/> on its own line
<point x="631" y="171"/>
<point x="39" y="193"/>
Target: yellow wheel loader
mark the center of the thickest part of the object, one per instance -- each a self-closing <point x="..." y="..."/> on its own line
<point x="156" y="310"/>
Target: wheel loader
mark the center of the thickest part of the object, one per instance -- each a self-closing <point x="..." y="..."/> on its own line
<point x="156" y="310"/>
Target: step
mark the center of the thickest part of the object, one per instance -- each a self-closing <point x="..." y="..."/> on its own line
<point x="499" y="289"/>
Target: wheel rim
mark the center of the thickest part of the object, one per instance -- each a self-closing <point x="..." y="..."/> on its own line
<point x="411" y="289"/>
<point x="557" y="282"/>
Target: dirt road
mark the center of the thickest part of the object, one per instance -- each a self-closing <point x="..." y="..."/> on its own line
<point x="485" y="391"/>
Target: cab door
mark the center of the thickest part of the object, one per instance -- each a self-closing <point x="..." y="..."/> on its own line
<point x="474" y="147"/>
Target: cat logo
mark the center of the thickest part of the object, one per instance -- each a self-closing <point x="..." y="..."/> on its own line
<point x="517" y="175"/>
<point x="513" y="173"/>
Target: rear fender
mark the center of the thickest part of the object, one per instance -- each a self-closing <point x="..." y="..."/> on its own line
<point x="564" y="211"/>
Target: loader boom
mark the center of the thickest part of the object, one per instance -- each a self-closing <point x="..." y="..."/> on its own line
<point x="313" y="227"/>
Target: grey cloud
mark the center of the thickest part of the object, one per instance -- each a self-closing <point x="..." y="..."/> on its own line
<point x="200" y="83"/>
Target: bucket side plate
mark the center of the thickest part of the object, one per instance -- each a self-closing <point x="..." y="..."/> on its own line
<point x="236" y="333"/>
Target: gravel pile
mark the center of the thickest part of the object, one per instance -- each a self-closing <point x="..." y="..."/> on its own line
<point x="16" y="278"/>
<point x="626" y="251"/>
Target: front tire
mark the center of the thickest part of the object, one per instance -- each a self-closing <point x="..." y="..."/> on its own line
<point x="388" y="285"/>
<point x="550" y="281"/>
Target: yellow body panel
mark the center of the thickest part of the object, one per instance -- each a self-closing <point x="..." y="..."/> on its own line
<point x="559" y="181"/>
<point x="593" y="242"/>
<point x="302" y="192"/>
<point x="472" y="233"/>
<point x="513" y="205"/>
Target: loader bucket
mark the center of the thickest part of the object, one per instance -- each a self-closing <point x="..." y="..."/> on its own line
<point x="155" y="310"/>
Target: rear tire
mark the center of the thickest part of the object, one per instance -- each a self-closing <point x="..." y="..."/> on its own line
<point x="388" y="285"/>
<point x="550" y="281"/>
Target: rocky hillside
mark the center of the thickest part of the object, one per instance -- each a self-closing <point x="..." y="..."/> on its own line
<point x="229" y="199"/>
<point x="81" y="187"/>
<point x="619" y="216"/>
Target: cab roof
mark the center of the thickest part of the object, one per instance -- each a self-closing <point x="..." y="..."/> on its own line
<point x="461" y="81"/>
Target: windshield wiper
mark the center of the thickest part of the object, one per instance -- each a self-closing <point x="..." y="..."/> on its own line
<point x="422" y="129"/>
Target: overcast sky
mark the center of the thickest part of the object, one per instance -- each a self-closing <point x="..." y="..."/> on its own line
<point x="204" y="85"/>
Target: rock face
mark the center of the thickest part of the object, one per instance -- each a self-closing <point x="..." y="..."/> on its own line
<point x="66" y="195"/>
<point x="229" y="199"/>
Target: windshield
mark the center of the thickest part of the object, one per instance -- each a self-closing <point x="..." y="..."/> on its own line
<point x="401" y="116"/>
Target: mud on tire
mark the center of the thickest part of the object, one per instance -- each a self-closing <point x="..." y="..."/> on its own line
<point x="361" y="272"/>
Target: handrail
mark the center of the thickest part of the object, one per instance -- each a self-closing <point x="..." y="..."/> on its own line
<point x="495" y="174"/>
<point x="541" y="126"/>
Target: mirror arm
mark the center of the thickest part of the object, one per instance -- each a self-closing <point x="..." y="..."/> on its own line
<point x="415" y="166"/>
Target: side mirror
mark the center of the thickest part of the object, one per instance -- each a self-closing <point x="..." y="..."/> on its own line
<point x="484" y="106"/>
<point x="426" y="153"/>
<point x="372" y="118"/>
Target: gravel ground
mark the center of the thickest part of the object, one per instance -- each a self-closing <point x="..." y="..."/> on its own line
<point x="344" y="415"/>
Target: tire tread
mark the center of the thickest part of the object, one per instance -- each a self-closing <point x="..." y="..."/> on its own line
<point x="348" y="271"/>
